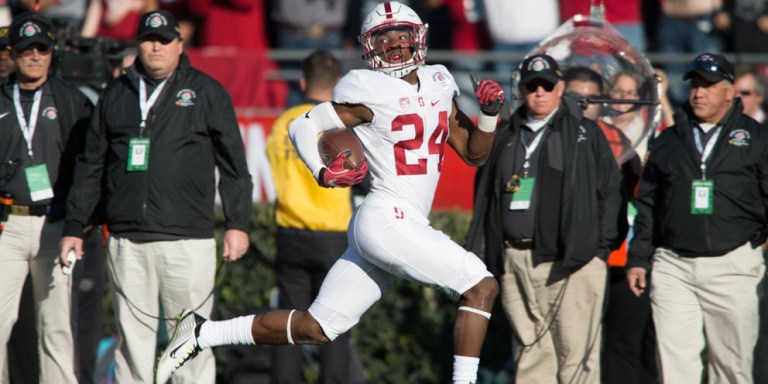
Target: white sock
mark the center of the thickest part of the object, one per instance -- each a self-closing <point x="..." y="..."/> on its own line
<point x="465" y="369"/>
<point x="235" y="331"/>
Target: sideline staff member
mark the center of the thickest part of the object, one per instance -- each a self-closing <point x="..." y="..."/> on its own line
<point x="701" y="220"/>
<point x="157" y="135"/>
<point x="41" y="129"/>
<point x="546" y="211"/>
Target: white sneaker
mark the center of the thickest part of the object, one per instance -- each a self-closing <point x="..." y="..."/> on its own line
<point x="182" y="346"/>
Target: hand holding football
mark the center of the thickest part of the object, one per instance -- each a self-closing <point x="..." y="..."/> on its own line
<point x="335" y="141"/>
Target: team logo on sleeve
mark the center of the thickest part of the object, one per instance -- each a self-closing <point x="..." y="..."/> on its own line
<point x="185" y="98"/>
<point x="441" y="79"/>
<point x="50" y="113"/>
<point x="405" y="102"/>
<point x="739" y="138"/>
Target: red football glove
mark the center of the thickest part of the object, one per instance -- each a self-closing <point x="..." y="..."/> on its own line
<point x="490" y="96"/>
<point x="335" y="175"/>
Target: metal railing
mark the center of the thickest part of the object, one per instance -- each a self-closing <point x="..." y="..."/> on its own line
<point x="351" y="60"/>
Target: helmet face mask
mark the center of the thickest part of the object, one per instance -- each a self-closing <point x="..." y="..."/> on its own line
<point x="387" y="17"/>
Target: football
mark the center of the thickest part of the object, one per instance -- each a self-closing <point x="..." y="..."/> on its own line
<point x="335" y="141"/>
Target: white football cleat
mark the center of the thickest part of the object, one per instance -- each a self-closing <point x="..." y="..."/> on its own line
<point x="182" y="346"/>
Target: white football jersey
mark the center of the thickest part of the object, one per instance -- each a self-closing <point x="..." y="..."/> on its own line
<point x="405" y="142"/>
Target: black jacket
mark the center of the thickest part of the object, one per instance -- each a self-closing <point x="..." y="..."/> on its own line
<point x="738" y="165"/>
<point x="590" y="197"/>
<point x="73" y="110"/>
<point x="192" y="130"/>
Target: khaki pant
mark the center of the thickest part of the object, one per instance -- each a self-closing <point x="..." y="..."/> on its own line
<point x="177" y="274"/>
<point x="31" y="245"/>
<point x="556" y="314"/>
<point x="707" y="301"/>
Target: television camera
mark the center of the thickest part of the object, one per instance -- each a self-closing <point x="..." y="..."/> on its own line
<point x="90" y="62"/>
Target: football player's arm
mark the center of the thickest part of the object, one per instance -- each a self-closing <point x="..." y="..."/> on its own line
<point x="304" y="130"/>
<point x="471" y="143"/>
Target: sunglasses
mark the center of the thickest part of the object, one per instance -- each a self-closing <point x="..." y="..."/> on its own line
<point x="533" y="85"/>
<point x="710" y="67"/>
<point x="41" y="49"/>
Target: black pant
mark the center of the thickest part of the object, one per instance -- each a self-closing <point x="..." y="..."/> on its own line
<point x="629" y="340"/>
<point x="303" y="259"/>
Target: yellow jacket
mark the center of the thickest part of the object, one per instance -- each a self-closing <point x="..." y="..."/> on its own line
<point x="301" y="203"/>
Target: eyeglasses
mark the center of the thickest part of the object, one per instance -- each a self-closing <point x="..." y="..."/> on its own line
<point x="745" y="92"/>
<point x="533" y="85"/>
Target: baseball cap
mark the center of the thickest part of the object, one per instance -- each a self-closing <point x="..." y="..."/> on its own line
<point x="5" y="40"/>
<point x="160" y="23"/>
<point x="31" y="28"/>
<point x="539" y="67"/>
<point x="711" y="67"/>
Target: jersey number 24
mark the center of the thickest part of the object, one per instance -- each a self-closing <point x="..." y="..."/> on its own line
<point x="435" y="144"/>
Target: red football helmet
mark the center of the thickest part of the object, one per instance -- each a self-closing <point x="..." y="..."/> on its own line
<point x="385" y="16"/>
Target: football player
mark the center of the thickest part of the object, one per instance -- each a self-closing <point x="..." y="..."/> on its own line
<point x="404" y="113"/>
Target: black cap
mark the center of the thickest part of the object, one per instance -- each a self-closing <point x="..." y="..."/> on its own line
<point x="31" y="28"/>
<point x="539" y="67"/>
<point x="160" y="23"/>
<point x="711" y="67"/>
<point x="5" y="39"/>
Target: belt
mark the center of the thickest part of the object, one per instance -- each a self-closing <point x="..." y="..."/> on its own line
<point x="28" y="210"/>
<point x="522" y="244"/>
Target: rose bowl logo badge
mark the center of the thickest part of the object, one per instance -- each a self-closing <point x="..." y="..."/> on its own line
<point x="185" y="98"/>
<point x="50" y="113"/>
<point x="739" y="138"/>
<point x="538" y="65"/>
<point x="442" y="79"/>
<point x="29" y="29"/>
<point x="405" y="103"/>
<point x="156" y="20"/>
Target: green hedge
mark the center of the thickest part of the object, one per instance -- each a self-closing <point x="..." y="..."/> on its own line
<point x="407" y="337"/>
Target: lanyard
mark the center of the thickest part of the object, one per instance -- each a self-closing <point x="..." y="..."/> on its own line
<point x="705" y="151"/>
<point x="27" y="130"/>
<point x="144" y="104"/>
<point x="529" y="149"/>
